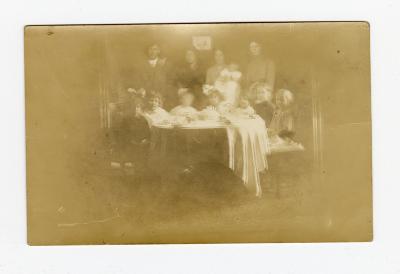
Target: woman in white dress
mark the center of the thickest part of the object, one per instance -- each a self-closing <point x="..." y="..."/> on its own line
<point x="228" y="83"/>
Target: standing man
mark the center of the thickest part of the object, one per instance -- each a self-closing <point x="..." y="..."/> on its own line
<point x="154" y="74"/>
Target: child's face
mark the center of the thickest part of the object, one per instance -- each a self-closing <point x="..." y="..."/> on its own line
<point x="187" y="100"/>
<point x="282" y="101"/>
<point x="263" y="95"/>
<point x="138" y="110"/>
<point x="244" y="103"/>
<point x="154" y="103"/>
<point x="214" y="100"/>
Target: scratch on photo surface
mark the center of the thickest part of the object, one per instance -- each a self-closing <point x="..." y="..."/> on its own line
<point x="91" y="222"/>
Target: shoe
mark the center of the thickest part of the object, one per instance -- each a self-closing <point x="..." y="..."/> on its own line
<point x="128" y="164"/>
<point x="115" y="165"/>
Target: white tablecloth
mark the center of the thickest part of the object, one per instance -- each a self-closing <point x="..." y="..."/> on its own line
<point x="248" y="149"/>
<point x="248" y="146"/>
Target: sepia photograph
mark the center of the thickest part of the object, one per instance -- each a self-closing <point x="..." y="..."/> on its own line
<point x="198" y="133"/>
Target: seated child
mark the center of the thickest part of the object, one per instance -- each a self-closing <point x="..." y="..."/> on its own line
<point x="155" y="114"/>
<point x="244" y="109"/>
<point x="263" y="106"/>
<point x="185" y="109"/>
<point x="282" y="119"/>
<point x="131" y="137"/>
<point x="215" y="109"/>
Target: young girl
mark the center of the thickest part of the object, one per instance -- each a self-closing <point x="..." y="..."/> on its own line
<point x="155" y="114"/>
<point x="282" y="119"/>
<point x="244" y="109"/>
<point x="215" y="108"/>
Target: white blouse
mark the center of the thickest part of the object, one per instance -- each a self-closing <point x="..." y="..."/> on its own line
<point x="157" y="116"/>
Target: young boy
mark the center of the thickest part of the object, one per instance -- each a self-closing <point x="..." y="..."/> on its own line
<point x="263" y="106"/>
<point x="131" y="136"/>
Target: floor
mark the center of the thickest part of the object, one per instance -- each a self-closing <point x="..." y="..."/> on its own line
<point x="118" y="205"/>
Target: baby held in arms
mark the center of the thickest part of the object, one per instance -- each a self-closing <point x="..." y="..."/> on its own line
<point x="155" y="114"/>
<point x="185" y="112"/>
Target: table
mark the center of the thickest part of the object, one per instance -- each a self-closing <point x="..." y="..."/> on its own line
<point x="247" y="146"/>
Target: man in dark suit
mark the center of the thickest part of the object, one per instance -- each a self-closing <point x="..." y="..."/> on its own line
<point x="154" y="75"/>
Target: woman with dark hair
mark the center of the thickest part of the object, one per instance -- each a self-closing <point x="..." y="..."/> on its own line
<point x="191" y="77"/>
<point x="214" y="71"/>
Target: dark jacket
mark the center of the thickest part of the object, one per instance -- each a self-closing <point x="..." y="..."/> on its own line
<point x="266" y="111"/>
<point x="193" y="79"/>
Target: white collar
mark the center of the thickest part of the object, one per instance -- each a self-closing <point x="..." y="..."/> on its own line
<point x="153" y="62"/>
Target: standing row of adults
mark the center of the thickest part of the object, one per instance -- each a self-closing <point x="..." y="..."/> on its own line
<point x="158" y="75"/>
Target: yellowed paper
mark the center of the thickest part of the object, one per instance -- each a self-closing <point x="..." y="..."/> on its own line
<point x="260" y="133"/>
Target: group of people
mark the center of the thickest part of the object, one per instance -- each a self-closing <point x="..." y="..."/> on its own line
<point x="157" y="74"/>
<point x="222" y="91"/>
<point x="276" y="114"/>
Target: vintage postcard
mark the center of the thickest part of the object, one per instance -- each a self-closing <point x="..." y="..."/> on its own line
<point x="198" y="133"/>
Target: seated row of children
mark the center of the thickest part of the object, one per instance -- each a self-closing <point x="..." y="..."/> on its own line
<point x="132" y="136"/>
<point x="277" y="116"/>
